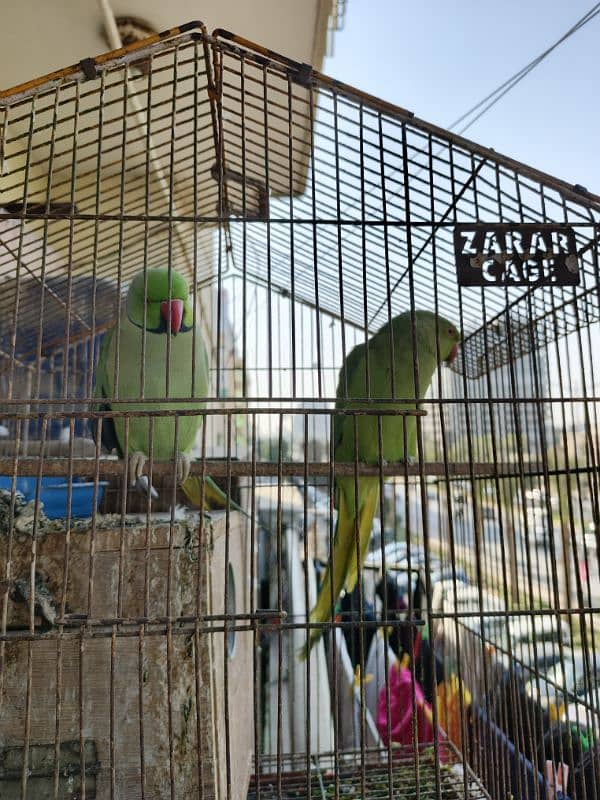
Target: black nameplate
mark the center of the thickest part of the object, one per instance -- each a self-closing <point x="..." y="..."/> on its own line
<point x="516" y="255"/>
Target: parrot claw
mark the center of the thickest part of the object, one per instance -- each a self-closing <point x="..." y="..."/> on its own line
<point x="411" y="460"/>
<point x="143" y="486"/>
<point x="183" y="464"/>
<point x="137" y="462"/>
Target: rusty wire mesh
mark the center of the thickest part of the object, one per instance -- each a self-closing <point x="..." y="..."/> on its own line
<point x="149" y="649"/>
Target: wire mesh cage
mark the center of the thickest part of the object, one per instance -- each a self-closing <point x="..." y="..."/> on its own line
<point x="256" y="537"/>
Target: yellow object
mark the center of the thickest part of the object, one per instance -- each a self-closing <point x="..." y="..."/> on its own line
<point x="556" y="712"/>
<point x="450" y="715"/>
<point x="210" y="497"/>
<point x="358" y="679"/>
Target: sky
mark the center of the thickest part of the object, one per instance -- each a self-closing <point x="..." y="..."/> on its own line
<point x="437" y="59"/>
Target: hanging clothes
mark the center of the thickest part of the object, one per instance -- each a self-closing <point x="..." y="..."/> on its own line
<point x="410" y="715"/>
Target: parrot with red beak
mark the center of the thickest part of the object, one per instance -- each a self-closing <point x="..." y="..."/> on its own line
<point x="155" y="352"/>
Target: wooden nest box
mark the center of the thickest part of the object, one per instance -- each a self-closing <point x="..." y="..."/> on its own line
<point x="122" y="676"/>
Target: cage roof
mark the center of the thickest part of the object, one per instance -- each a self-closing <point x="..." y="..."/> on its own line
<point x="335" y="199"/>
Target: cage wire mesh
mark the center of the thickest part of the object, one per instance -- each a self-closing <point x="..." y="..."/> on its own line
<point x="150" y="644"/>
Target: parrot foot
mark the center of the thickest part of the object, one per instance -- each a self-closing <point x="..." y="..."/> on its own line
<point x="137" y="462"/>
<point x="143" y="486"/>
<point x="183" y="464"/>
<point x="411" y="460"/>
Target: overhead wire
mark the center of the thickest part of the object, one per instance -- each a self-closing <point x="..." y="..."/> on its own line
<point x="511" y="82"/>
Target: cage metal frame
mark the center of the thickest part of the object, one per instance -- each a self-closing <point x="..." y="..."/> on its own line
<point x="532" y="320"/>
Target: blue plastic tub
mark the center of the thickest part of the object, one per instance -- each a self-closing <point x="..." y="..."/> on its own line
<point x="54" y="493"/>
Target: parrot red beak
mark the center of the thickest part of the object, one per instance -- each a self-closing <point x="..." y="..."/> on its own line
<point x="172" y="313"/>
<point x="452" y="355"/>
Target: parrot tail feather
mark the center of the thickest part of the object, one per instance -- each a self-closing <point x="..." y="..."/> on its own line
<point x="313" y="638"/>
<point x="366" y="515"/>
<point x="211" y="496"/>
<point x="343" y="544"/>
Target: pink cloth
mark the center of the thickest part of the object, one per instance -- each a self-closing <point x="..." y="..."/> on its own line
<point x="407" y="704"/>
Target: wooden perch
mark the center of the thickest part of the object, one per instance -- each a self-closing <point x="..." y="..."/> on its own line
<point x="106" y="467"/>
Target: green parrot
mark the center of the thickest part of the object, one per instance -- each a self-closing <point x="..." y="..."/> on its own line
<point x="353" y="383"/>
<point x="158" y="323"/>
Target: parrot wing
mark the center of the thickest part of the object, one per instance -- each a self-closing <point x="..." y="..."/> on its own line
<point x="103" y="386"/>
<point x="351" y="377"/>
<point x="103" y="389"/>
